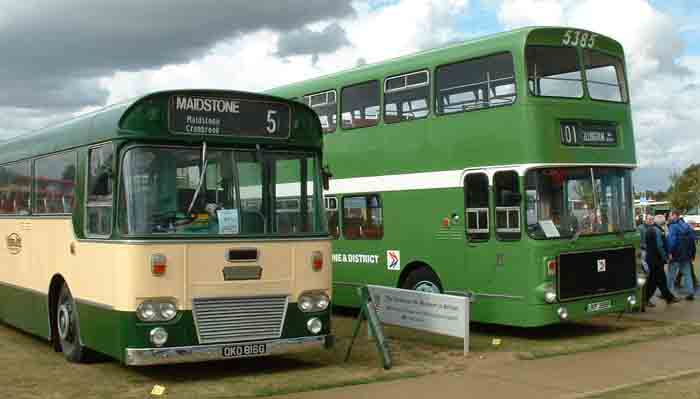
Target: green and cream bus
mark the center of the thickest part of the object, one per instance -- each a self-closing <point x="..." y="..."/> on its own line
<point x="154" y="231"/>
<point x="498" y="167"/>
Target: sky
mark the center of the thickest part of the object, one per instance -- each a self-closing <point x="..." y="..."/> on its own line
<point x="62" y="58"/>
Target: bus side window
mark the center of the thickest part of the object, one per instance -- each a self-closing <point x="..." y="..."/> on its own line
<point x="363" y="218"/>
<point x="508" y="199"/>
<point x="360" y="105"/>
<point x="54" y="184"/>
<point x="326" y="107"/>
<point x="332" y="215"/>
<point x="99" y="195"/>
<point x="15" y="188"/>
<point x="477" y="206"/>
<point x="406" y="97"/>
<point x="475" y="84"/>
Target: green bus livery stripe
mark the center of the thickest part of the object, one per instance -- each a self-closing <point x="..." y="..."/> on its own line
<point x="430" y="180"/>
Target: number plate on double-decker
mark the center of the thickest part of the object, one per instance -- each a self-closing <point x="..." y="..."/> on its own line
<point x="244" y="350"/>
<point x="598" y="306"/>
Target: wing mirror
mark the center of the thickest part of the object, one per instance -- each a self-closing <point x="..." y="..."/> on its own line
<point x="326" y="175"/>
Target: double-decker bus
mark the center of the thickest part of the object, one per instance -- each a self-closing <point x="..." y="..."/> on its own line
<point x="153" y="231"/>
<point x="498" y="167"/>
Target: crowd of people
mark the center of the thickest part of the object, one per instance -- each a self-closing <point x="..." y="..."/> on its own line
<point x="668" y="249"/>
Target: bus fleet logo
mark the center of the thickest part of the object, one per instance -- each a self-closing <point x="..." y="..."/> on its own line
<point x="14" y="243"/>
<point x="601" y="265"/>
<point x="393" y="260"/>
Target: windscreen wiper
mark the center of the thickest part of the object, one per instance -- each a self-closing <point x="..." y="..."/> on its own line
<point x="205" y="161"/>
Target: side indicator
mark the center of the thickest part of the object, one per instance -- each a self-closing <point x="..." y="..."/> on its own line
<point x="159" y="264"/>
<point x="551" y="267"/>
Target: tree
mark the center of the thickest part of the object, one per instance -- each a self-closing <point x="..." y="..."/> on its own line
<point x="684" y="193"/>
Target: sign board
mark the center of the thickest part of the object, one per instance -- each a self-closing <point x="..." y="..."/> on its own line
<point x="214" y="116"/>
<point x="588" y="134"/>
<point x="437" y="313"/>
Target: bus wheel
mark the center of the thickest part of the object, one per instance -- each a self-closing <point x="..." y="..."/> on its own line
<point x="67" y="327"/>
<point x="423" y="279"/>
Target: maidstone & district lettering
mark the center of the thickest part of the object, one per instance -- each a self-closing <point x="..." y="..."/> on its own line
<point x="355" y="258"/>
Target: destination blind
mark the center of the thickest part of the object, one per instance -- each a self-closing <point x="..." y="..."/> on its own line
<point x="574" y="133"/>
<point x="202" y="115"/>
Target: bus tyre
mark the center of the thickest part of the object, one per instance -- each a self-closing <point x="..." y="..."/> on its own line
<point x="423" y="279"/>
<point x="67" y="327"/>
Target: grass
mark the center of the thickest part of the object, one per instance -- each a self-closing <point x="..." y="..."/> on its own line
<point x="32" y="369"/>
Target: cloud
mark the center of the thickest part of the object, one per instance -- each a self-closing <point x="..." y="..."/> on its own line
<point x="55" y="51"/>
<point x="252" y="61"/>
<point x="308" y="42"/>
<point x="663" y="82"/>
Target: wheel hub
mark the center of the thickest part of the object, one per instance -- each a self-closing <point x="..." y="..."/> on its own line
<point x="64" y="321"/>
<point x="427" y="286"/>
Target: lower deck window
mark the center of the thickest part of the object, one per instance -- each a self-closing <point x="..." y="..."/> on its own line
<point x="362" y="218"/>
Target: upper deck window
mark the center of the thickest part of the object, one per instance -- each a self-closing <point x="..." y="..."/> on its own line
<point x="605" y="76"/>
<point x="360" y="105"/>
<point x="406" y="97"/>
<point x="554" y="72"/>
<point x="326" y="107"/>
<point x="475" y="84"/>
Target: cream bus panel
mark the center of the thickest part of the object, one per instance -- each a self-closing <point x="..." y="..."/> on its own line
<point x="194" y="269"/>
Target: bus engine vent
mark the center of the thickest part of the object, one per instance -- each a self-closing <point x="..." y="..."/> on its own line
<point x="239" y="319"/>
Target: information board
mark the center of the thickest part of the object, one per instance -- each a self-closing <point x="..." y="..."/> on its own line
<point x="437" y="313"/>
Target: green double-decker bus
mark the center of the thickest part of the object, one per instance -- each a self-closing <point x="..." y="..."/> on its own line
<point x="499" y="167"/>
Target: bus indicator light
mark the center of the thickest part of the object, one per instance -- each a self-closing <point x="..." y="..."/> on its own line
<point x="551" y="267"/>
<point x="159" y="264"/>
<point x="317" y="261"/>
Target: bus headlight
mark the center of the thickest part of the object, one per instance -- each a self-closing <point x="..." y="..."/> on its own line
<point x="306" y="303"/>
<point x="146" y="311"/>
<point x="641" y="280"/>
<point x="563" y="313"/>
<point x="321" y="302"/>
<point x="168" y="311"/>
<point x="313" y="302"/>
<point x="550" y="296"/>
<point x="159" y="336"/>
<point x="314" y="325"/>
<point x="156" y="310"/>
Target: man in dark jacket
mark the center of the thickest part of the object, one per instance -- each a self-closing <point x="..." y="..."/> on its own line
<point x="656" y="258"/>
<point x="681" y="245"/>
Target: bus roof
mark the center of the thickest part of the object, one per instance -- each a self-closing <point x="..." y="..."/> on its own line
<point x="121" y="121"/>
<point x="475" y="47"/>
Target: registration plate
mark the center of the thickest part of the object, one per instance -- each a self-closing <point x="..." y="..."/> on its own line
<point x="598" y="306"/>
<point x="245" y="350"/>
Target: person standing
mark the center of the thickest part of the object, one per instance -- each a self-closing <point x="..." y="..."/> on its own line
<point x="656" y="257"/>
<point x="681" y="244"/>
<point x="647" y="221"/>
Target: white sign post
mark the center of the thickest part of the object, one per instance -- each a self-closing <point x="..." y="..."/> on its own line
<point x="437" y="313"/>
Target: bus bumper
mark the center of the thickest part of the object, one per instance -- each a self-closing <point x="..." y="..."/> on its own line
<point x="202" y="353"/>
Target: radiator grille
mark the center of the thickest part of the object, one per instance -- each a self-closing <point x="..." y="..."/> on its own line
<point x="238" y="319"/>
<point x="586" y="274"/>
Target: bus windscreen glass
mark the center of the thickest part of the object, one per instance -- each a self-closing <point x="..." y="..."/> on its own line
<point x="242" y="192"/>
<point x="605" y="76"/>
<point x="554" y="72"/>
<point x="568" y="202"/>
